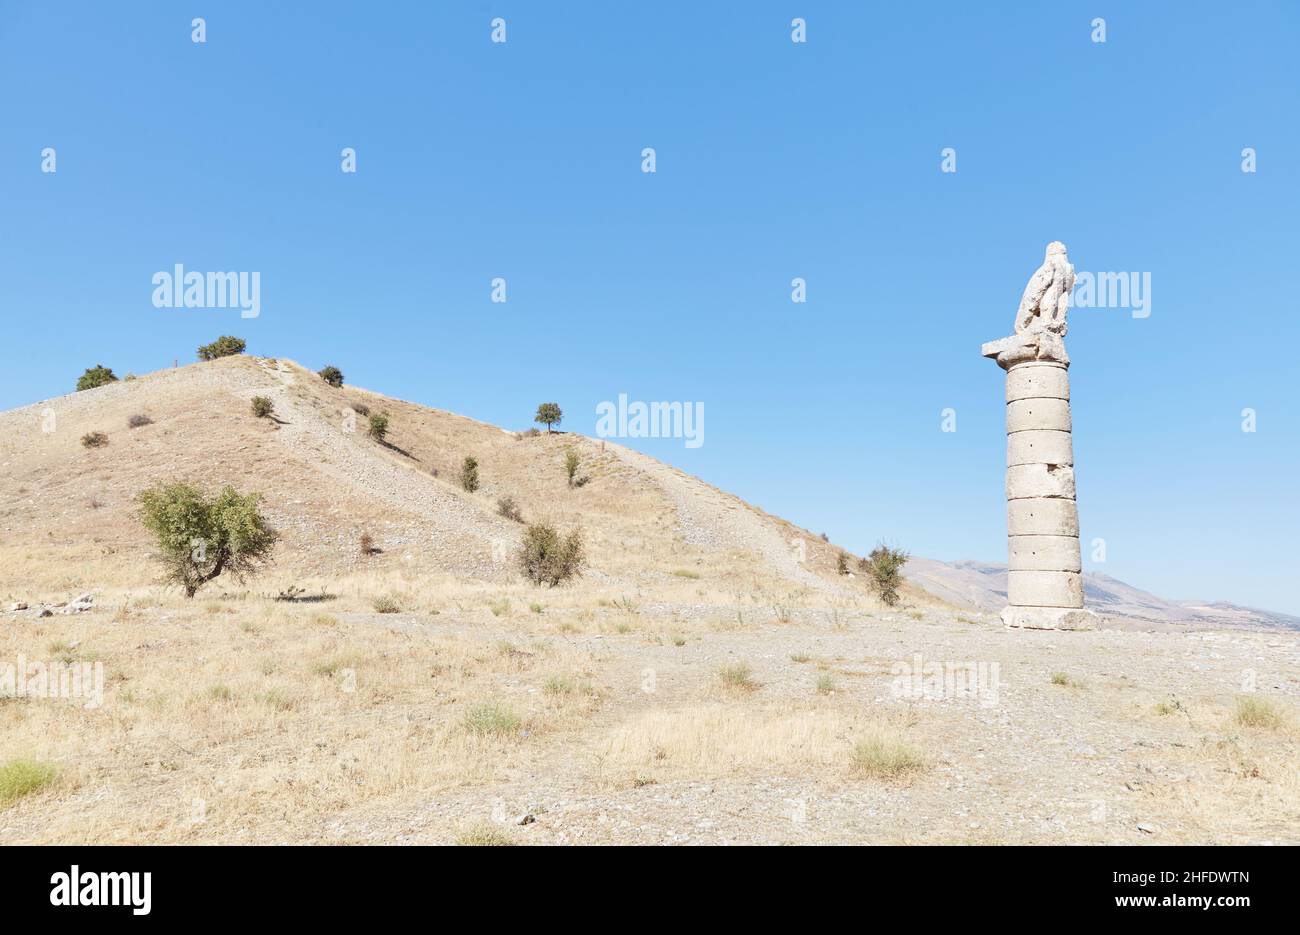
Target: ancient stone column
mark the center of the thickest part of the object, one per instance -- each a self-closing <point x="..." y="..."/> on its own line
<point x="1044" y="576"/>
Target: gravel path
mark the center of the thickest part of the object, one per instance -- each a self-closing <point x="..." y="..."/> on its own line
<point x="712" y="519"/>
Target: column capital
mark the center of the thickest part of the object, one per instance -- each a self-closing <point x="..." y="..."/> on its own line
<point x="1025" y="346"/>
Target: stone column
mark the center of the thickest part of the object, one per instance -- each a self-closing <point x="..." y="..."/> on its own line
<point x="1044" y="566"/>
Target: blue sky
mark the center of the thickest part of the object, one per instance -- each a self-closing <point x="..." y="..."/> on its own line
<point x="775" y="160"/>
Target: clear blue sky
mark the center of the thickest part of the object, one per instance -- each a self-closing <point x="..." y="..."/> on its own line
<point x="775" y="160"/>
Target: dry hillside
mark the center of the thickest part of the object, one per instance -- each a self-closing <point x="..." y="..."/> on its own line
<point x="67" y="509"/>
<point x="698" y="684"/>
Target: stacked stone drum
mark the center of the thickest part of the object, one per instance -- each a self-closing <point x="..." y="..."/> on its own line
<point x="1043" y="557"/>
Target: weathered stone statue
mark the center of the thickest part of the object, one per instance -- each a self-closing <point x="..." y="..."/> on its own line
<point x="1044" y="577"/>
<point x="1047" y="297"/>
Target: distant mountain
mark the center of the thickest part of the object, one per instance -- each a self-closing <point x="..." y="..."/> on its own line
<point x="983" y="586"/>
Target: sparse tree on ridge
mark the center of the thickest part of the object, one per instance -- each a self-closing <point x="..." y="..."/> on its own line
<point x="548" y="414"/>
<point x="225" y="346"/>
<point x="98" y="375"/>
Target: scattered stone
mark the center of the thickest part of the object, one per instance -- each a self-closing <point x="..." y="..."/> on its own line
<point x="1147" y="829"/>
<point x="79" y="604"/>
<point x="17" y="605"/>
<point x="525" y="819"/>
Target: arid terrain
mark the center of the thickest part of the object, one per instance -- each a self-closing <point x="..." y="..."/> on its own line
<point x="711" y="677"/>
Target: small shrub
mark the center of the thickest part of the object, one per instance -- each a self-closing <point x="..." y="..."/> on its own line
<point x="560" y="685"/>
<point x="331" y="375"/>
<point x="536" y="607"/>
<point x="1065" y="680"/>
<point x="94" y="440"/>
<point x="262" y="407"/>
<point x="219" y="692"/>
<point x="22" y="777"/>
<point x="335" y="664"/>
<point x="884" y="757"/>
<point x="548" y="414"/>
<point x="367" y="544"/>
<point x="547" y="558"/>
<point x="499" y="607"/>
<point x="276" y="699"/>
<point x="138" y="421"/>
<point x="825" y="685"/>
<point x="571" y="462"/>
<point x="883" y="568"/>
<point x="224" y="346"/>
<point x="98" y="375"/>
<point x="530" y="433"/>
<point x="491" y="720"/>
<point x="386" y="605"/>
<point x="687" y="573"/>
<point x="469" y="474"/>
<point x="825" y="538"/>
<point x="361" y="409"/>
<point x="841" y="564"/>
<point x="378" y="426"/>
<point x="738" y="677"/>
<point x="507" y="507"/>
<point x="1257" y="712"/>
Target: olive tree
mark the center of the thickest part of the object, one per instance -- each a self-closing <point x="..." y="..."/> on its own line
<point x="200" y="537"/>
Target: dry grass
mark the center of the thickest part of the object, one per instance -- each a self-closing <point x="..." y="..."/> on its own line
<point x="492" y="719"/>
<point x="265" y="713"/>
<point x="884" y="756"/>
<point x="1258" y="713"/>
<point x="24" y="777"/>
<point x="482" y="835"/>
<point x="715" y="740"/>
<point x="1065" y="680"/>
<point x="738" y="677"/>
